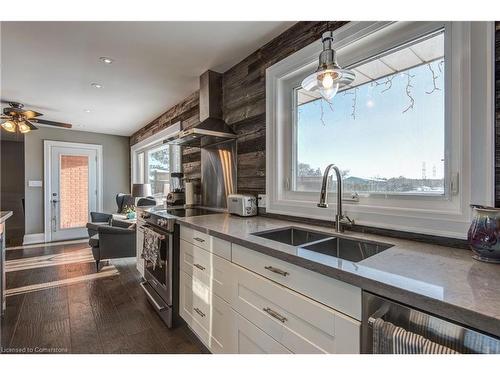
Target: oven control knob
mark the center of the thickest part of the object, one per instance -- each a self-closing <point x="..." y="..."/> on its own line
<point x="162" y="222"/>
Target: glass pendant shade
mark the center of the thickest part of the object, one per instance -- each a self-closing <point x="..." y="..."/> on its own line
<point x="10" y="126"/>
<point x="23" y="127"/>
<point x="329" y="76"/>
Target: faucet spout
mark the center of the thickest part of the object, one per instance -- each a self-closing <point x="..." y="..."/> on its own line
<point x="323" y="197"/>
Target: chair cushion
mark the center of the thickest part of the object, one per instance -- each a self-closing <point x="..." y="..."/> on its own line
<point x="94" y="241"/>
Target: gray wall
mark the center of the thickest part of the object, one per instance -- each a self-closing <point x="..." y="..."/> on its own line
<point x="116" y="168"/>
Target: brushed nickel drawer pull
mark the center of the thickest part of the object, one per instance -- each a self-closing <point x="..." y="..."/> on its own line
<point x="198" y="239"/>
<point x="199" y="312"/>
<point x="275" y="315"/>
<point x="199" y="266"/>
<point x="277" y="270"/>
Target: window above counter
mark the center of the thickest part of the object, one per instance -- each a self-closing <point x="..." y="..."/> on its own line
<point x="396" y="105"/>
<point x="400" y="132"/>
<point x="152" y="161"/>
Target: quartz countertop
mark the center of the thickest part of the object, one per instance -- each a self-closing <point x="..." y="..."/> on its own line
<point x="441" y="280"/>
<point x="4" y="215"/>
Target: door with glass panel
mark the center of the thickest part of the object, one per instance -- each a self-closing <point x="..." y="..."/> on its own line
<point x="73" y="191"/>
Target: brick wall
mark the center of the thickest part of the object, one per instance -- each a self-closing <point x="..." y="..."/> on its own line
<point x="73" y="191"/>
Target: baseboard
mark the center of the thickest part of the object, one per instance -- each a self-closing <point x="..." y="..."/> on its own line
<point x="33" y="238"/>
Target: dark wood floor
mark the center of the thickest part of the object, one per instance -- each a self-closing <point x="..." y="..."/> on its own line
<point x="109" y="314"/>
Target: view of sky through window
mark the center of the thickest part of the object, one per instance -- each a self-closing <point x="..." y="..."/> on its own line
<point x="376" y="136"/>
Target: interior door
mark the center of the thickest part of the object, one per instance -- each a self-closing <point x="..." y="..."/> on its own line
<point x="73" y="191"/>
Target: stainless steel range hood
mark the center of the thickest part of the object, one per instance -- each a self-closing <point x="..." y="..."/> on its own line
<point x="212" y="129"/>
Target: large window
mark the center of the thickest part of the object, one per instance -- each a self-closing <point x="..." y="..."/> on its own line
<point x="158" y="168"/>
<point x="386" y="131"/>
<point x="412" y="134"/>
<point x="153" y="161"/>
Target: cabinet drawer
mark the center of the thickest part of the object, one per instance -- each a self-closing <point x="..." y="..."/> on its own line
<point x="252" y="340"/>
<point x="341" y="296"/>
<point x="298" y="323"/>
<point x="211" y="318"/>
<point x="212" y="244"/>
<point x="207" y="267"/>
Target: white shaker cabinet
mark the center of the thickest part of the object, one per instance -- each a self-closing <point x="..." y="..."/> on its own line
<point x="237" y="300"/>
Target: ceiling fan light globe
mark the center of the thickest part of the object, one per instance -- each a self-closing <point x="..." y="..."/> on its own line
<point x="9" y="126"/>
<point x="23" y="127"/>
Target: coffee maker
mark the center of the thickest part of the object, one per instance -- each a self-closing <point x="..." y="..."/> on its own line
<point x="176" y="196"/>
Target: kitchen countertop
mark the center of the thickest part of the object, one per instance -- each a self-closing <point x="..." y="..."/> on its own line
<point x="4" y="215"/>
<point x="441" y="280"/>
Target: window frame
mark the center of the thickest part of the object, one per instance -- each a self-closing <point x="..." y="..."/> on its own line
<point x="445" y="215"/>
<point x="147" y="145"/>
<point x="447" y="192"/>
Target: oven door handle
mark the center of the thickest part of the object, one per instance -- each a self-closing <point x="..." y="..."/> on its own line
<point x="151" y="298"/>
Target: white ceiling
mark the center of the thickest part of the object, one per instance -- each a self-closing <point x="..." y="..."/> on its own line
<point x="49" y="66"/>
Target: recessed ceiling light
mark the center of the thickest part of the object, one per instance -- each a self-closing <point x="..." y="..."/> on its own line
<point x="106" y="60"/>
<point x="96" y="85"/>
<point x="86" y="110"/>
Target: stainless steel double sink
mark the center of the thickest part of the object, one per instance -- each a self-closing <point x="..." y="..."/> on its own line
<point x="345" y="248"/>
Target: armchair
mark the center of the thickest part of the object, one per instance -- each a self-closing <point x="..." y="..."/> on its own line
<point x="98" y="219"/>
<point x="112" y="241"/>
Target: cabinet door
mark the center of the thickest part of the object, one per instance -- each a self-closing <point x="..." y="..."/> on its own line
<point x="339" y="295"/>
<point x="212" y="270"/>
<point x="139" y="244"/>
<point x="210" y="317"/>
<point x="252" y="340"/>
<point x="300" y="324"/>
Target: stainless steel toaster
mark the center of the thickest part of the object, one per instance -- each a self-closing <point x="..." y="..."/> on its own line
<point x="242" y="205"/>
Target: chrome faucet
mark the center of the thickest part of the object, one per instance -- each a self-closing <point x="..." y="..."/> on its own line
<point x="340" y="218"/>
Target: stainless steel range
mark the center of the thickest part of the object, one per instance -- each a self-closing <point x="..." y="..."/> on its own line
<point x="161" y="283"/>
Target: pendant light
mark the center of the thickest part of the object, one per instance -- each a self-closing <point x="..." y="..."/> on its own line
<point x="329" y="76"/>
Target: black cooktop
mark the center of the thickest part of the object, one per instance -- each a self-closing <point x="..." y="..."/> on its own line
<point x="181" y="211"/>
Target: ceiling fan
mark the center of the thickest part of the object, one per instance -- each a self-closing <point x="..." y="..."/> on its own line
<point x="15" y="118"/>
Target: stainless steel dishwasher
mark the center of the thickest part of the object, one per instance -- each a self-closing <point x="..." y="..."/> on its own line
<point x="415" y="322"/>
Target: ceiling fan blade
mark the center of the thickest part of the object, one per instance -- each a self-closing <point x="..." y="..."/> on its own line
<point x="31" y="114"/>
<point x="53" y="123"/>
<point x="30" y="124"/>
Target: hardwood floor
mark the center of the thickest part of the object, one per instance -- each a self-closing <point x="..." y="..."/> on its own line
<point x="57" y="303"/>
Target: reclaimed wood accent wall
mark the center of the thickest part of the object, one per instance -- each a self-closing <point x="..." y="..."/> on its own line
<point x="244" y="97"/>
<point x="497" y="114"/>
<point x="244" y="105"/>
